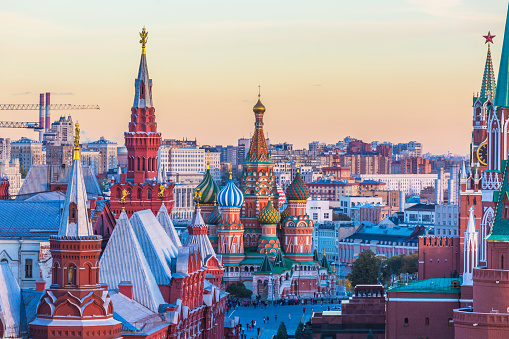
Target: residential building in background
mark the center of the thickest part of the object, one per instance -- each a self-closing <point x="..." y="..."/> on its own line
<point x="61" y="132"/>
<point x="107" y="154"/>
<point x="5" y="149"/>
<point x="90" y="158"/>
<point x="319" y="211"/>
<point x="242" y="149"/>
<point x="59" y="154"/>
<point x="29" y="152"/>
<point x="178" y="163"/>
<point x="333" y="190"/>
<point x="415" y="165"/>
<point x="366" y="164"/>
<point x="213" y="160"/>
<point x="420" y="214"/>
<point x="411" y="184"/>
<point x="122" y="157"/>
<point x="447" y="220"/>
<point x="10" y="170"/>
<point x="346" y="202"/>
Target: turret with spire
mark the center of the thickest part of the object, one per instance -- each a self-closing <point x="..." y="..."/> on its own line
<point x="75" y="296"/>
<point x="471" y="249"/>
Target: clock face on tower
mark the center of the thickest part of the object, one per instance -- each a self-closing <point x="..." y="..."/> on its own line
<point x="482" y="153"/>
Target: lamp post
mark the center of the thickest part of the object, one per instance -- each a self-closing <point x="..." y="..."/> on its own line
<point x="271" y="279"/>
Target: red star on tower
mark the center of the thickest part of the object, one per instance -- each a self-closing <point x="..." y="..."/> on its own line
<point x="489" y="37"/>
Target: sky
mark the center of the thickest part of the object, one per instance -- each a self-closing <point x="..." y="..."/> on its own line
<point x="393" y="70"/>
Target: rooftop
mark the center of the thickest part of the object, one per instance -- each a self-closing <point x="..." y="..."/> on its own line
<point x="435" y="285"/>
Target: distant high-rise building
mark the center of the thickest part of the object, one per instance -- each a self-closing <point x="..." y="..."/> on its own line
<point x="5" y="149"/>
<point x="242" y="148"/>
<point x="61" y="132"/>
<point x="107" y="154"/>
<point x="29" y="152"/>
<point x="59" y="154"/>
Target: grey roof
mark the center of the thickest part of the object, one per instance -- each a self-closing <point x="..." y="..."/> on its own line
<point x="40" y="177"/>
<point x="53" y="195"/>
<point x="29" y="219"/>
<point x="10" y="301"/>
<point x="421" y="207"/>
<point x="156" y="245"/>
<point x="165" y="221"/>
<point x="31" y="300"/>
<point x="201" y="240"/>
<point x="383" y="233"/>
<point x="129" y="312"/>
<point x="76" y="194"/>
<point x="124" y="260"/>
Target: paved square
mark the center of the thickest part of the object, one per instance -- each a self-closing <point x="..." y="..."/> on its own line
<point x="246" y="314"/>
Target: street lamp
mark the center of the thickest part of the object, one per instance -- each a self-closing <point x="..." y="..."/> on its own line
<point x="271" y="278"/>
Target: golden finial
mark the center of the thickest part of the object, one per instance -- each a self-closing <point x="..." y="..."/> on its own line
<point x="259" y="90"/>
<point x="77" y="142"/>
<point x="208" y="165"/>
<point x="125" y="193"/>
<point x="161" y="192"/>
<point x="230" y="175"/>
<point x="144" y="38"/>
<point x="197" y="196"/>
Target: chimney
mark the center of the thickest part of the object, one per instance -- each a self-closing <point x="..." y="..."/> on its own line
<point x="40" y="285"/>
<point x="126" y="288"/>
<point x="48" y="120"/>
<point x="41" y="116"/>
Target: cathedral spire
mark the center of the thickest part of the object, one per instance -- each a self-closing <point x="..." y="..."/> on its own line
<point x="258" y="150"/>
<point x="143" y="84"/>
<point x="488" y="80"/>
<point x="75" y="221"/>
<point x="502" y="92"/>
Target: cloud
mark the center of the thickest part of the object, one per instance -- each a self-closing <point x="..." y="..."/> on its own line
<point x="317" y="85"/>
<point x="62" y="93"/>
<point x="23" y="93"/>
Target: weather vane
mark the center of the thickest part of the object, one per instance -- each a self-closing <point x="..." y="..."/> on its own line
<point x="125" y="193"/>
<point x="161" y="192"/>
<point x="77" y="142"/>
<point x="197" y="196"/>
<point x="144" y="38"/>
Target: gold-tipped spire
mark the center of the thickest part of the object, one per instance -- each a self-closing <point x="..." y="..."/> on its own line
<point x="230" y="174"/>
<point x="144" y="38"/>
<point x="259" y="91"/>
<point x="77" y="142"/>
<point x="125" y="193"/>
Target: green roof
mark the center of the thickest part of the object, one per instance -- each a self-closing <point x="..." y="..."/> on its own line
<point x="251" y="261"/>
<point x="500" y="229"/>
<point x="502" y="92"/>
<point x="266" y="265"/>
<point x="435" y="285"/>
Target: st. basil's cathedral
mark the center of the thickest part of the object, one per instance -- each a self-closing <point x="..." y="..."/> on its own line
<point x="269" y="252"/>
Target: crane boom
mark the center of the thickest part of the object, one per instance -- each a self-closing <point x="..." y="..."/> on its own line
<point x="16" y="124"/>
<point x="52" y="106"/>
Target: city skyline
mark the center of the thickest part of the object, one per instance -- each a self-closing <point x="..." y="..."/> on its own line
<point x="315" y="64"/>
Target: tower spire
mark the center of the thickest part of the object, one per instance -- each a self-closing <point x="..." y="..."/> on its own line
<point x="502" y="92"/>
<point x="143" y="84"/>
<point x="258" y="150"/>
<point x="488" y="80"/>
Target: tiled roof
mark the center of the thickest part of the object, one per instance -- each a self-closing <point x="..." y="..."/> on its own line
<point x="202" y="240"/>
<point x="156" y="245"/>
<point x="169" y="228"/>
<point x="435" y="285"/>
<point x="40" y="177"/>
<point x="124" y="260"/>
<point x="29" y="219"/>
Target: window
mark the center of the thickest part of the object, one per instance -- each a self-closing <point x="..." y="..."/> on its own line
<point x="71" y="275"/>
<point x="406" y="322"/>
<point x="28" y="268"/>
<point x="426" y="322"/>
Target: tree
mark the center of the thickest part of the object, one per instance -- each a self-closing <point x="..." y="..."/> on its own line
<point x="299" y="332"/>
<point x="23" y="172"/>
<point x="239" y="290"/>
<point x="400" y="264"/>
<point x="281" y="332"/>
<point x="365" y="269"/>
<point x="308" y="334"/>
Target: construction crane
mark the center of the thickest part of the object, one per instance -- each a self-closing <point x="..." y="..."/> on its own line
<point x="44" y="123"/>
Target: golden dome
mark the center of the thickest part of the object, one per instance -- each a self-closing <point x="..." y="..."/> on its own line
<point x="259" y="108"/>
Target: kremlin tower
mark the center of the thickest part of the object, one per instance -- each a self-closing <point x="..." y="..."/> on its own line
<point x="139" y="187"/>
<point x="75" y="305"/>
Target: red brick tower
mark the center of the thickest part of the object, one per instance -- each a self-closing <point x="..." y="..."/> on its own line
<point x="258" y="181"/>
<point x="75" y="305"/>
<point x="142" y="142"/>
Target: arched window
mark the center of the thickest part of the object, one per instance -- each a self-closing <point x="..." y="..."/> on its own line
<point x="149" y="195"/>
<point x="71" y="275"/>
<point x="138" y="194"/>
<point x="502" y="262"/>
<point x="426" y="322"/>
<point x="406" y="321"/>
<point x="138" y="163"/>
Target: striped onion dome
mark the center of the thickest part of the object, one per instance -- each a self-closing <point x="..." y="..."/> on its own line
<point x="214" y="217"/>
<point x="208" y="189"/>
<point x="230" y="195"/>
<point x="269" y="215"/>
<point x="298" y="189"/>
<point x="282" y="195"/>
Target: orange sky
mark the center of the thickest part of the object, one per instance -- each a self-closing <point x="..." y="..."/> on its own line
<point x="395" y="71"/>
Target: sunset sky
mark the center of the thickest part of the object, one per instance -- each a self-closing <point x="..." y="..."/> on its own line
<point x="394" y="70"/>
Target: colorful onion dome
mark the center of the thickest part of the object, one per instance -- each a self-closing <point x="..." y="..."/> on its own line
<point x="285" y="214"/>
<point x="208" y="189"/>
<point x="269" y="215"/>
<point x="230" y="195"/>
<point x="259" y="108"/>
<point x="214" y="217"/>
<point x="298" y="189"/>
<point x="282" y="195"/>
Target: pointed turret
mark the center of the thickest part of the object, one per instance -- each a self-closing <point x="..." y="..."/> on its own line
<point x="198" y="235"/>
<point x="143" y="84"/>
<point x="488" y="85"/>
<point x="502" y="92"/>
<point x="266" y="265"/>
<point x="165" y="221"/>
<point x="258" y="150"/>
<point x="75" y="221"/>
<point x="470" y="251"/>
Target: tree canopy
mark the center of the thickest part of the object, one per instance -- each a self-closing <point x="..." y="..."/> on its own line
<point x="281" y="332"/>
<point x="365" y="269"/>
<point x="239" y="290"/>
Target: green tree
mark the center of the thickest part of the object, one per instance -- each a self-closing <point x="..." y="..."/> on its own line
<point x="239" y="290"/>
<point x="308" y="334"/>
<point x="23" y="172"/>
<point x="400" y="264"/>
<point x="281" y="332"/>
<point x="365" y="269"/>
<point x="299" y="332"/>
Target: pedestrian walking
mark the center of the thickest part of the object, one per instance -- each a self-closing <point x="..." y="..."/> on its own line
<point x="303" y="310"/>
<point x="275" y="317"/>
<point x="289" y="316"/>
